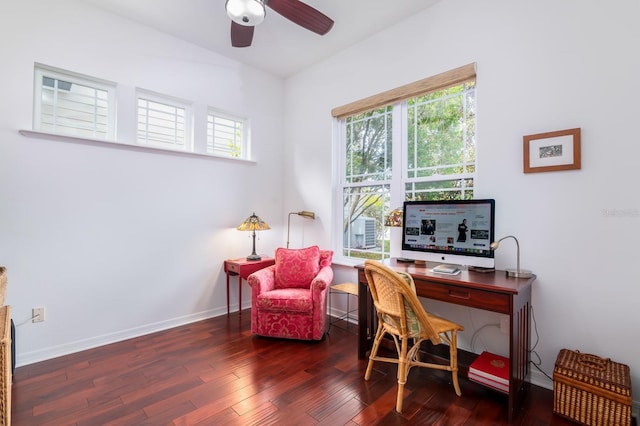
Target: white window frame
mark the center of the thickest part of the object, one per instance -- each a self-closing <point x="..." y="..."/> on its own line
<point x="41" y="71"/>
<point x="399" y="177"/>
<point x="172" y="102"/>
<point x="241" y="144"/>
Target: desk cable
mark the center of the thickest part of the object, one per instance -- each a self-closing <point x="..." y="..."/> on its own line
<point x="532" y="351"/>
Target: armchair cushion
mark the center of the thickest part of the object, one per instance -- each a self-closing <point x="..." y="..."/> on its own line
<point x="286" y="300"/>
<point x="296" y="268"/>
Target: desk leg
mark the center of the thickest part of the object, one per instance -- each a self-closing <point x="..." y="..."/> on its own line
<point x="227" y="293"/>
<point x="519" y="351"/>
<point x="365" y="320"/>
<point x="239" y="295"/>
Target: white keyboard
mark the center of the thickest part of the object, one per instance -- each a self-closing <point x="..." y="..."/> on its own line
<point x="446" y="269"/>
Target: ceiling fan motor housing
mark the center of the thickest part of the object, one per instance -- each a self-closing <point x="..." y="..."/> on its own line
<point x="246" y="12"/>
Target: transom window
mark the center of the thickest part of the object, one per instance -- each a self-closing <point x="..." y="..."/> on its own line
<point x="82" y="107"/>
<point x="163" y="122"/>
<point x="73" y="104"/>
<point x="418" y="146"/>
<point x="226" y="135"/>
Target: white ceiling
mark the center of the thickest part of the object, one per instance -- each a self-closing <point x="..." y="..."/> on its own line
<point x="279" y="46"/>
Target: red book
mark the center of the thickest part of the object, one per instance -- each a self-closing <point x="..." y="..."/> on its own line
<point x="494" y="368"/>
<point x="488" y="382"/>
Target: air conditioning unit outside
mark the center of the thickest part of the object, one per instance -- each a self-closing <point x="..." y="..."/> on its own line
<point x="361" y="234"/>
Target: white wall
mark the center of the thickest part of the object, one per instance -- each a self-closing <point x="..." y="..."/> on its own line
<point x="542" y="66"/>
<point x="117" y="242"/>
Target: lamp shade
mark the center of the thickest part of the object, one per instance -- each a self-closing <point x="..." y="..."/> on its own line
<point x="245" y="12"/>
<point x="253" y="223"/>
<point x="303" y="213"/>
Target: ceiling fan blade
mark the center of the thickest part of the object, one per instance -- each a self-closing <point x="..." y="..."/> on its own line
<point x="303" y="15"/>
<point x="241" y="35"/>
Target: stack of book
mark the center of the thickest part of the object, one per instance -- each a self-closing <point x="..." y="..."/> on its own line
<point x="491" y="370"/>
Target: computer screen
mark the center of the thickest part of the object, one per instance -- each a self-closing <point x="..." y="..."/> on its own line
<point x="454" y="231"/>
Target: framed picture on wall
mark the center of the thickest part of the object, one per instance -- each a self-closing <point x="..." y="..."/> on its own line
<point x="552" y="151"/>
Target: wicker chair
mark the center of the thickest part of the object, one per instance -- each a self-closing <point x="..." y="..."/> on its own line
<point x="401" y="315"/>
<point x="5" y="353"/>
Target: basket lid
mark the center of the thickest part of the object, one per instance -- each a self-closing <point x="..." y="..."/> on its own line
<point x="594" y="370"/>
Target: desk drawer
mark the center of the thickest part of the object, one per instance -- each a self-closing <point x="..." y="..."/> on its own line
<point x="233" y="267"/>
<point x="482" y="299"/>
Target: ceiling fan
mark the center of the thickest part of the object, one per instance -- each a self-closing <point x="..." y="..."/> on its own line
<point x="246" y="14"/>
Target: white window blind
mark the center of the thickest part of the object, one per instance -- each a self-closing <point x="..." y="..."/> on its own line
<point x="226" y="135"/>
<point x="163" y="123"/>
<point x="71" y="104"/>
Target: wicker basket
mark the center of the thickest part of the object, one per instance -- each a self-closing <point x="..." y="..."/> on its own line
<point x="3" y="284"/>
<point x="591" y="390"/>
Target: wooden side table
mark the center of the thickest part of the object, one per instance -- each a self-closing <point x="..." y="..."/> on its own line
<point x="243" y="268"/>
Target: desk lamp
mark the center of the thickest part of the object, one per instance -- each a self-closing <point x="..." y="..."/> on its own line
<point x="303" y="213"/>
<point x="516" y="273"/>
<point x="253" y="224"/>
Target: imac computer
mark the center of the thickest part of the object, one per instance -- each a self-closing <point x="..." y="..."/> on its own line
<point x="451" y="233"/>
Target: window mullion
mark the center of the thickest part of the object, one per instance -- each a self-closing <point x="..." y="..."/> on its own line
<point x="95" y="113"/>
<point x="399" y="144"/>
<point x="54" y="104"/>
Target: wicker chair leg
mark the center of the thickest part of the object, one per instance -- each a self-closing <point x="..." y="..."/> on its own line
<point x="374" y="351"/>
<point x="453" y="357"/>
<point x="403" y="372"/>
<point x="400" y="397"/>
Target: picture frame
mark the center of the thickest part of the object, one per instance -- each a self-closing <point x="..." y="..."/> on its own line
<point x="552" y="151"/>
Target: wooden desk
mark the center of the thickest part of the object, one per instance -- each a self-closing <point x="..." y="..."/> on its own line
<point x="492" y="291"/>
<point x="243" y="268"/>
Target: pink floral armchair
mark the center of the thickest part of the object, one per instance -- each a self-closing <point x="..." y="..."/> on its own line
<point x="289" y="299"/>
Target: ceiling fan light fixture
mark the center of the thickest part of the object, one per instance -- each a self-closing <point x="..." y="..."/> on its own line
<point x="246" y="12"/>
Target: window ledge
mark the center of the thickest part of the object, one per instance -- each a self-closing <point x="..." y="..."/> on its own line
<point x="348" y="262"/>
<point x="122" y="145"/>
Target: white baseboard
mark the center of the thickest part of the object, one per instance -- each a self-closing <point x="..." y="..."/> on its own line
<point x="539" y="379"/>
<point x="27" y="358"/>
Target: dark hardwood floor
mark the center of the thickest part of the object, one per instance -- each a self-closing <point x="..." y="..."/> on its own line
<point x="215" y="372"/>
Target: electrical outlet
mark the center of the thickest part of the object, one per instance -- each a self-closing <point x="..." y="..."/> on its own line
<point x="37" y="314"/>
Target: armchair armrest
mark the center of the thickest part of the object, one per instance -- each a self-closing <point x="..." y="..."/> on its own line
<point x="263" y="280"/>
<point x="322" y="281"/>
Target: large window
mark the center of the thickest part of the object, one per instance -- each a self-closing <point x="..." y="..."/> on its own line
<point x="416" y="142"/>
<point x="72" y="104"/>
